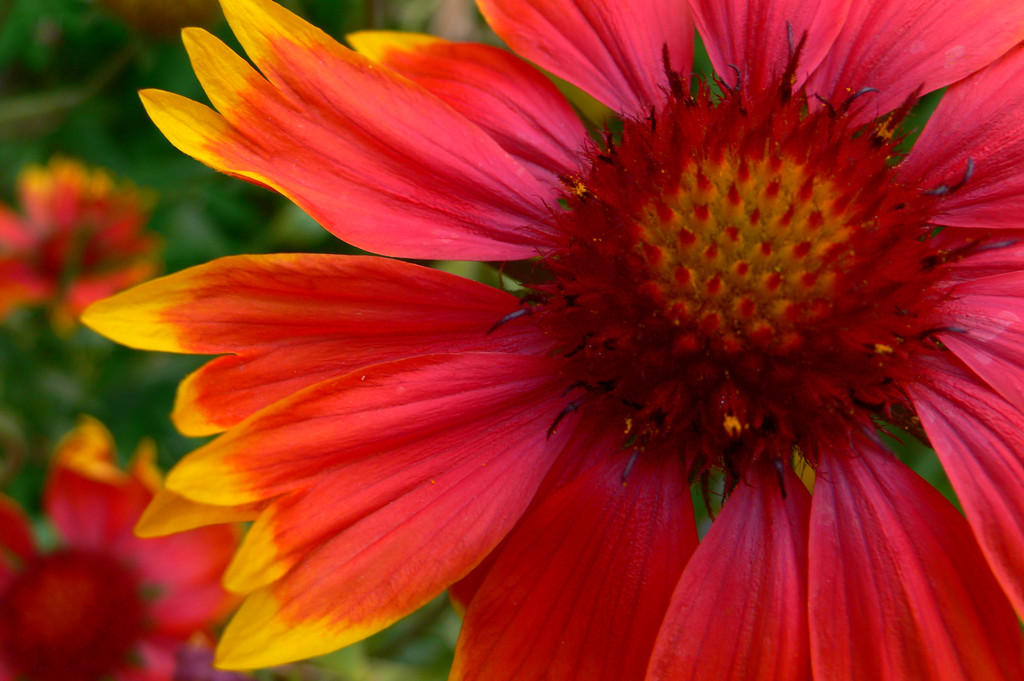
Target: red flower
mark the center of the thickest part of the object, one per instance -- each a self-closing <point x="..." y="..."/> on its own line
<point x="79" y="239"/>
<point x="103" y="604"/>
<point x="727" y="290"/>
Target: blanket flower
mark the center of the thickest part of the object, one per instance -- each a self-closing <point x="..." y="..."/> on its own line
<point x="741" y="285"/>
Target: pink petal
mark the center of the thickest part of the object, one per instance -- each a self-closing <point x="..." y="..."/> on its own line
<point x="979" y="121"/>
<point x="609" y="48"/>
<point x="579" y="587"/>
<point x="754" y="36"/>
<point x="979" y="438"/>
<point x="898" y="587"/>
<point x="740" y="609"/>
<point x="509" y="99"/>
<point x="185" y="571"/>
<point x="987" y="320"/>
<point x="898" y="47"/>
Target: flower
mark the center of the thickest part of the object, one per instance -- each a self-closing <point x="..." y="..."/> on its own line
<point x="79" y="239"/>
<point x="103" y="604"/>
<point x="735" y="284"/>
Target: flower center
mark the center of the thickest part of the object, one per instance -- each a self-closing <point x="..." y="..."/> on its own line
<point x="738" y="277"/>
<point x="70" y="615"/>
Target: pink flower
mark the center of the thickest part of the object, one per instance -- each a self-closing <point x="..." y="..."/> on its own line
<point x="103" y="604"/>
<point x="737" y="290"/>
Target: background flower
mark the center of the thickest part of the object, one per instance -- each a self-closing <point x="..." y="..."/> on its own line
<point x="78" y="237"/>
<point x="100" y="602"/>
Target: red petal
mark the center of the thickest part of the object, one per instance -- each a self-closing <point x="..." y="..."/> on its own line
<point x="979" y="438"/>
<point x="740" y="610"/>
<point x="16" y="544"/>
<point x="998" y="257"/>
<point x="898" y="587"/>
<point x="580" y="586"/>
<point x="295" y="320"/>
<point x="589" y="444"/>
<point x="754" y="36"/>
<point x="980" y="121"/>
<point x="896" y="47"/>
<point x="609" y="48"/>
<point x="509" y="99"/>
<point x="988" y="317"/>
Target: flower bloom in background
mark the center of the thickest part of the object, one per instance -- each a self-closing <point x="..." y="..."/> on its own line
<point x="78" y="238"/>
<point x="163" y="18"/>
<point x="103" y="604"/>
<point x="739" y="288"/>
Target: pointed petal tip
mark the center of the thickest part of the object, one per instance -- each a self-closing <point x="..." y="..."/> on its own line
<point x="132" y="318"/>
<point x="261" y="635"/>
<point x="375" y="45"/>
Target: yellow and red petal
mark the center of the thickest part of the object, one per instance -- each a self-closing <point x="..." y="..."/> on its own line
<point x="143" y="468"/>
<point x="295" y="320"/>
<point x="90" y="287"/>
<point x="377" y="474"/>
<point x="458" y="196"/>
<point x="750" y="42"/>
<point x="509" y="99"/>
<point x="891" y="560"/>
<point x="978" y="437"/>
<point x="385" y="515"/>
<point x="974" y="141"/>
<point x="399" y="407"/>
<point x="897" y="47"/>
<point x="169" y="512"/>
<point x="611" y="49"/>
<point x="580" y="586"/>
<point x="740" y="610"/>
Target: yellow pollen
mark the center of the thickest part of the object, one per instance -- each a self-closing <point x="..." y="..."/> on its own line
<point x="753" y="247"/>
<point x="883" y="349"/>
<point x="732" y="425"/>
